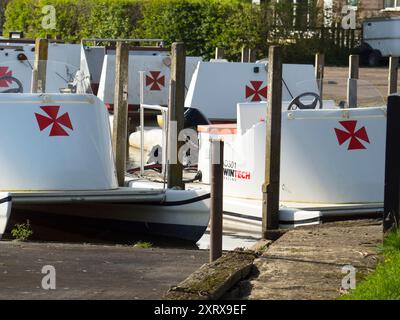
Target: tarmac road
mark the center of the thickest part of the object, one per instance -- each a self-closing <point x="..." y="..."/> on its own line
<point x="93" y="271"/>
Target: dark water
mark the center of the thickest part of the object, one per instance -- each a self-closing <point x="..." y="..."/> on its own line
<point x="68" y="230"/>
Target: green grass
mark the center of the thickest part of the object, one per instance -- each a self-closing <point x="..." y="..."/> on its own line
<point x="384" y="282"/>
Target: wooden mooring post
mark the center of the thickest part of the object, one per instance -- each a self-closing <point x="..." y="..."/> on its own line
<point x="270" y="188"/>
<point x="391" y="214"/>
<point x="319" y="71"/>
<point x="40" y="66"/>
<point x="217" y="184"/>
<point x="252" y="55"/>
<point x="245" y="54"/>
<point x="219" y="53"/>
<point x="120" y="124"/>
<point x="248" y="55"/>
<point x="352" y="81"/>
<point x="176" y="117"/>
<point x="393" y="74"/>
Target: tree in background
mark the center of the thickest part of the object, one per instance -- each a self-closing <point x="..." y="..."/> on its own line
<point x="3" y="4"/>
<point x="201" y="24"/>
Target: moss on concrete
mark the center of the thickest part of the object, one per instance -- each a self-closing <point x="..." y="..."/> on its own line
<point x="212" y="280"/>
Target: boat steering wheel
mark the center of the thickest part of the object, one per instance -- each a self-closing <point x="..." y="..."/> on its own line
<point x="297" y="104"/>
<point x="20" y="88"/>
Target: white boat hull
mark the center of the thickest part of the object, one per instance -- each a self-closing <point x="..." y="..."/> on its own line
<point x="171" y="213"/>
<point x="63" y="165"/>
<point x="5" y="209"/>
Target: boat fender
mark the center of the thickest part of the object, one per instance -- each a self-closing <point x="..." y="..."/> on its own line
<point x="294" y="217"/>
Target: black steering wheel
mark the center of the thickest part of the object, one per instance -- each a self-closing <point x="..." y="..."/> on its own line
<point x="297" y="104"/>
<point x="20" y="88"/>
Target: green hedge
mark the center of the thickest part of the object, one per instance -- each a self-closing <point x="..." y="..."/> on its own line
<point x="3" y="4"/>
<point x="201" y="24"/>
<point x="75" y="19"/>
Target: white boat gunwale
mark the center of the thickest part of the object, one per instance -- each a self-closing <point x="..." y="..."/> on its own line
<point x="123" y="195"/>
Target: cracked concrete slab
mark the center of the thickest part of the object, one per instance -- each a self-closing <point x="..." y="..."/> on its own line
<point x="306" y="263"/>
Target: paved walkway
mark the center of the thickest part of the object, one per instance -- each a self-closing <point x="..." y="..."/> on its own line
<point x="306" y="263"/>
<point x="93" y="271"/>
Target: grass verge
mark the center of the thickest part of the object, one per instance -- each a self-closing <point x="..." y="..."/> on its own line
<point x="384" y="282"/>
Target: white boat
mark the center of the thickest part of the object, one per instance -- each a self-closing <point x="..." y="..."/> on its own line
<point x="58" y="160"/>
<point x="332" y="160"/>
<point x="215" y="87"/>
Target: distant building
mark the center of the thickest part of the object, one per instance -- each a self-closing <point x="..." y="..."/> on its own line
<point x="332" y="9"/>
<point x="365" y="8"/>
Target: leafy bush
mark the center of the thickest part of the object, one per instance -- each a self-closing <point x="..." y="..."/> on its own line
<point x="112" y="18"/>
<point x="246" y="27"/>
<point x="19" y="16"/>
<point x="22" y="232"/>
<point x="143" y="245"/>
<point x="3" y="4"/>
<point x="173" y="20"/>
<point x="75" y="19"/>
<point x="201" y="24"/>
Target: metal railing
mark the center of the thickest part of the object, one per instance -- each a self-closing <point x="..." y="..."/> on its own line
<point x="164" y="114"/>
<point x="97" y="41"/>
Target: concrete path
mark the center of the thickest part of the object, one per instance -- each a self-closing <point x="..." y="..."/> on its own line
<point x="93" y="271"/>
<point x="306" y="263"/>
